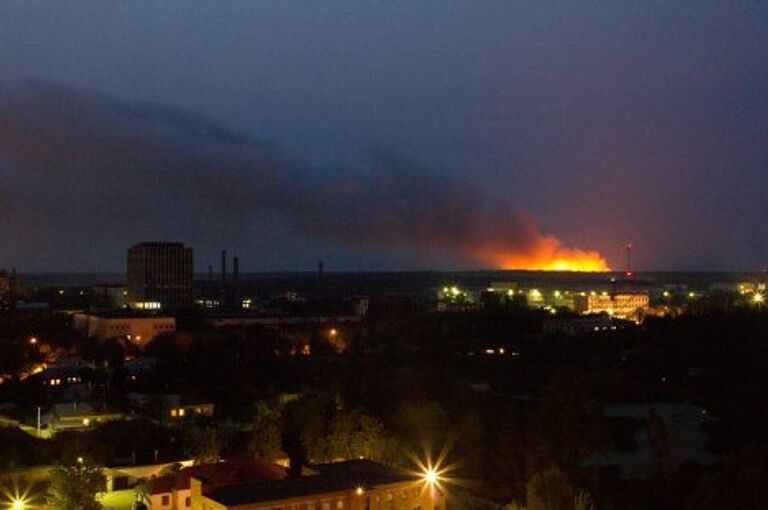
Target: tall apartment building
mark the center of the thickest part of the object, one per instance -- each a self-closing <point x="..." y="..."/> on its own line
<point x="159" y="275"/>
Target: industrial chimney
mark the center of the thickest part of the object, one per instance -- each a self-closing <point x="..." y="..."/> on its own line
<point x="224" y="270"/>
<point x="235" y="278"/>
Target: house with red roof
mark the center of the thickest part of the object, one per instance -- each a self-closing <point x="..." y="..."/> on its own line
<point x="172" y="491"/>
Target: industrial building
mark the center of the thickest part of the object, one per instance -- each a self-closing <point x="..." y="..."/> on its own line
<point x="159" y="275"/>
<point x="621" y="306"/>
<point x="139" y="329"/>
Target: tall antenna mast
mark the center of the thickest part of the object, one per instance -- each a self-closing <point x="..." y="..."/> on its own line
<point x="628" y="270"/>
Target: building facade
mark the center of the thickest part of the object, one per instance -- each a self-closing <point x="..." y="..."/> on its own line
<point x="621" y="306"/>
<point x="159" y="273"/>
<point x="349" y="485"/>
<point x="172" y="491"/>
<point x="138" y="329"/>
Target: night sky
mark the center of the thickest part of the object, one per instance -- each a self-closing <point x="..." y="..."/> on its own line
<point x="384" y="135"/>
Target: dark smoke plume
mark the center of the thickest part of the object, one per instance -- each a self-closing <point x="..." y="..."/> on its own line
<point x="71" y="160"/>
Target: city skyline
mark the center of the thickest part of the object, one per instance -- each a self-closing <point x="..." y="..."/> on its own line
<point x="528" y="126"/>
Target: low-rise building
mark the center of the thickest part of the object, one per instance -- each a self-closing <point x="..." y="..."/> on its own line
<point x="173" y="405"/>
<point x="172" y="491"/>
<point x="622" y="306"/>
<point x="349" y="485"/>
<point x="137" y="328"/>
<point x="274" y="321"/>
<point x="111" y="295"/>
<point x="574" y="326"/>
<point x="76" y="416"/>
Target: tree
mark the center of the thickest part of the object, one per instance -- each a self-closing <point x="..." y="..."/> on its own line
<point x="74" y="487"/>
<point x="661" y="443"/>
<point x="583" y="501"/>
<point x="158" y="407"/>
<point x="266" y="438"/>
<point x="550" y="490"/>
<point x="202" y="443"/>
<point x="354" y="434"/>
<point x="304" y="427"/>
<point x="568" y="423"/>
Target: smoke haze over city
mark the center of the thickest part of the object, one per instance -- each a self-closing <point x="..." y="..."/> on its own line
<point x="372" y="137"/>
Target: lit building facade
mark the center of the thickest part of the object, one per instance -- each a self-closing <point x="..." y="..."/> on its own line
<point x="172" y="491"/>
<point x="159" y="273"/>
<point x="137" y="329"/>
<point x="350" y="485"/>
<point x="622" y="306"/>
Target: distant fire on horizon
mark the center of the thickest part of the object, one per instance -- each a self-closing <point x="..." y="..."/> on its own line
<point x="548" y="254"/>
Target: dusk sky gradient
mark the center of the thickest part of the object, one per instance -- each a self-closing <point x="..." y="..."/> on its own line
<point x="604" y="121"/>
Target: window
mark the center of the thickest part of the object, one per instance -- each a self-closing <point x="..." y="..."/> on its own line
<point x="188" y="502"/>
<point x="339" y="504"/>
<point x="326" y="505"/>
<point x="165" y="500"/>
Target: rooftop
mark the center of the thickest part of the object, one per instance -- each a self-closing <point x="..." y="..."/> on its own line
<point x="126" y="314"/>
<point x="218" y="473"/>
<point x="333" y="477"/>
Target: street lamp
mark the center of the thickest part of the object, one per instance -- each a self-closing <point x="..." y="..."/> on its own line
<point x="19" y="504"/>
<point x="758" y="298"/>
<point x="431" y="476"/>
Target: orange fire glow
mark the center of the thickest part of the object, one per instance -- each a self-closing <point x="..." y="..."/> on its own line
<point x="549" y="254"/>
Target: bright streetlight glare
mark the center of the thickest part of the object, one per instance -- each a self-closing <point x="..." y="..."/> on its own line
<point x="19" y="504"/>
<point x="758" y="298"/>
<point x="430" y="476"/>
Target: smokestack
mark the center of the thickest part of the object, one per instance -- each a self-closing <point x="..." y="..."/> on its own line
<point x="235" y="277"/>
<point x="628" y="272"/>
<point x="224" y="269"/>
<point x="13" y="285"/>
